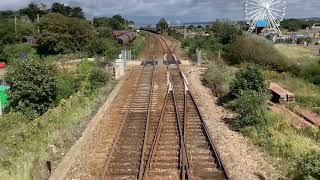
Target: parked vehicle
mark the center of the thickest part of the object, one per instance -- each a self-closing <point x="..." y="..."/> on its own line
<point x="119" y="33"/>
<point x="127" y="38"/>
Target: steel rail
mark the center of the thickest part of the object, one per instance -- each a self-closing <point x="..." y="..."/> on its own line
<point x="157" y="135"/>
<point x="218" y="158"/>
<point x="114" y="143"/>
<point x="183" y="153"/>
<point x="141" y="168"/>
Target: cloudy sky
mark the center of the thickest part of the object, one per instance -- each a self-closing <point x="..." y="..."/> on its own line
<point x="149" y="11"/>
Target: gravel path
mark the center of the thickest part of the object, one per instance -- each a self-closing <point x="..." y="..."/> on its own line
<point x="242" y="159"/>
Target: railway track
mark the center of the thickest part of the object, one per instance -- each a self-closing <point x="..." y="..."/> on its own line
<point x="203" y="159"/>
<point x="125" y="157"/>
<point x="162" y="134"/>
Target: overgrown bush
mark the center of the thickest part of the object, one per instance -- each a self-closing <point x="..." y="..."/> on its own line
<point x="18" y="52"/>
<point x="33" y="86"/>
<point x="254" y="49"/>
<point x="311" y="72"/>
<point x="67" y="84"/>
<point x="98" y="78"/>
<point x="251" y="107"/>
<point x="209" y="43"/>
<point x="61" y="34"/>
<point x="310" y="165"/>
<point x="217" y="78"/>
<point x="302" y="40"/>
<point x="90" y="76"/>
<point x="250" y="78"/>
<point x="226" y="31"/>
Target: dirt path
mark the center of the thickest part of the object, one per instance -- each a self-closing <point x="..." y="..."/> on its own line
<point x="242" y="158"/>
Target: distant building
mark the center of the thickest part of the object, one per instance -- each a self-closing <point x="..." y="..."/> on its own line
<point x="316" y="27"/>
<point x="315" y="31"/>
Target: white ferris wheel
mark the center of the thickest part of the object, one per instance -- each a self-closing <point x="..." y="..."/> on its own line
<point x="265" y="14"/>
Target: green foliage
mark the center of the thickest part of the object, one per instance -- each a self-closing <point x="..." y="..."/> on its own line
<point x="91" y="76"/>
<point x="103" y="47"/>
<point x="31" y="11"/>
<point x="210" y="43"/>
<point x="67" y="10"/>
<point x="60" y="34"/>
<point x="302" y="40"/>
<point x="217" y="78"/>
<point x="116" y="22"/>
<point x="250" y="78"/>
<point x="17" y="51"/>
<point x="311" y="72"/>
<point x="7" y="31"/>
<point x="98" y="78"/>
<point x="162" y="25"/>
<point x="310" y="165"/>
<point x="137" y="45"/>
<point x="249" y="102"/>
<point x="7" y="14"/>
<point x="256" y="50"/>
<point x="251" y="106"/>
<point x="67" y="85"/>
<point x="33" y="86"/>
<point x="99" y="22"/>
<point x="226" y="31"/>
<point x="297" y="24"/>
<point x="84" y="69"/>
<point x="27" y="142"/>
<point x="175" y="34"/>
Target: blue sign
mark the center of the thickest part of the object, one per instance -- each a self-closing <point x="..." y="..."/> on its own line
<point x="262" y="23"/>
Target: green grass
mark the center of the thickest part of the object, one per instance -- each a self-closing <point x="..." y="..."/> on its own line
<point x="138" y="45"/>
<point x="26" y="144"/>
<point x="298" y="53"/>
<point x="283" y="142"/>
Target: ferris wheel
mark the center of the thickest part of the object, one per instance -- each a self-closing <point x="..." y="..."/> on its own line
<point x="265" y="14"/>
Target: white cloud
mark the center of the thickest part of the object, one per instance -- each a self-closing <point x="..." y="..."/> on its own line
<point x="186" y="10"/>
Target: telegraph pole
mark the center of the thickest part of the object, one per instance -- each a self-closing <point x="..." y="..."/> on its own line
<point x="38" y="19"/>
<point x="15" y="25"/>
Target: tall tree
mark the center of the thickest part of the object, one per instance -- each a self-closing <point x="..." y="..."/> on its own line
<point x="31" y="11"/>
<point x="77" y="12"/>
<point x="163" y="24"/>
<point x="61" y="34"/>
<point x="117" y="22"/>
<point x="67" y="10"/>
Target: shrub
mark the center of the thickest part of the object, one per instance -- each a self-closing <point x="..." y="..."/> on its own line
<point x="33" y="86"/>
<point x="67" y="84"/>
<point x="251" y="106"/>
<point x="311" y="72"/>
<point x="18" y="51"/>
<point x="61" y="34"/>
<point x="302" y="40"/>
<point x="250" y="78"/>
<point x="226" y="31"/>
<point x="209" y="43"/>
<point x="310" y="165"/>
<point x="98" y="78"/>
<point x="83" y="70"/>
<point x="254" y="49"/>
<point x="216" y="78"/>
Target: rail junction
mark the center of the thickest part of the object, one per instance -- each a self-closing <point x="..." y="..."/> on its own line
<point x="162" y="134"/>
